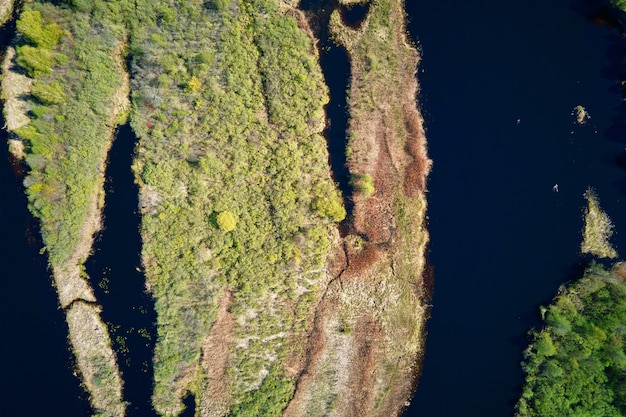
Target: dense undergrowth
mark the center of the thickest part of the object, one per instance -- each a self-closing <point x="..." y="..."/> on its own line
<point x="228" y="106"/>
<point x="576" y="364"/>
<point x="236" y="197"/>
<point x="70" y="57"/>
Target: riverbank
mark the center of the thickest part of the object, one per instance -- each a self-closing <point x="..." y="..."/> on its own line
<point x="368" y="334"/>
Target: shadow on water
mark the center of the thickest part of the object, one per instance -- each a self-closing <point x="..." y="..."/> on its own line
<point x="119" y="281"/>
<point x="37" y="376"/>
<point x="335" y="65"/>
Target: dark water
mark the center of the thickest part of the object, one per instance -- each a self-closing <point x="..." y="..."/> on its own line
<point x="355" y="14"/>
<point x="499" y="82"/>
<point x="117" y="276"/>
<point x="37" y="374"/>
<point x="336" y="69"/>
<point x="36" y="378"/>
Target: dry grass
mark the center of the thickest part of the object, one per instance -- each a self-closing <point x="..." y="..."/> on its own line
<point x="15" y="86"/>
<point x="598" y="229"/>
<point x="368" y="330"/>
<point x="216" y="355"/>
<point x="95" y="358"/>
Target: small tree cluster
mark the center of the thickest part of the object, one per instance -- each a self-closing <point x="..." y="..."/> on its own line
<point x="37" y="58"/>
<point x="364" y="184"/>
<point x="330" y="208"/>
<point x="32" y="27"/>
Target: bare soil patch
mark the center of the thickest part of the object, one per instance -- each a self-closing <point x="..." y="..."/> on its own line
<point x="216" y="355"/>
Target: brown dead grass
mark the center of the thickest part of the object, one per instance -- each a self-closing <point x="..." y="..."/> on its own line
<point x="92" y="346"/>
<point x="370" y="370"/>
<point x="15" y="86"/>
<point x="216" y="356"/>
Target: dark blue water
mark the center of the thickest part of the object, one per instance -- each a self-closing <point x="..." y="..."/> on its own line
<point x="37" y="377"/>
<point x="499" y="81"/>
<point x="118" y="278"/>
<point x="336" y="69"/>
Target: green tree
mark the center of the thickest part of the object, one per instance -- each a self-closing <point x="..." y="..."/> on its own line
<point x="364" y="183"/>
<point x="330" y="208"/>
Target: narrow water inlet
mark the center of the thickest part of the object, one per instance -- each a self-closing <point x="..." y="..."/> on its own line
<point x="335" y="64"/>
<point x="119" y="281"/>
<point x="190" y="406"/>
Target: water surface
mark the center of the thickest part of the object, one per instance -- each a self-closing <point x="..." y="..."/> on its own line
<point x="499" y="82"/>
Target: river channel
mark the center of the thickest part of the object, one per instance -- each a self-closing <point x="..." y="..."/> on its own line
<point x="499" y="81"/>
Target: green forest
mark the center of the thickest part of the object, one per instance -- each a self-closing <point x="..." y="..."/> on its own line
<point x="576" y="364"/>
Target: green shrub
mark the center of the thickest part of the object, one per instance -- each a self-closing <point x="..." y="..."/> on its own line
<point x="31" y="26"/>
<point x="330" y="208"/>
<point x="363" y="183"/>
<point x="226" y="221"/>
<point x="48" y="93"/>
<point x="36" y="61"/>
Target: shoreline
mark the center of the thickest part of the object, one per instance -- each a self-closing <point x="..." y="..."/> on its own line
<point x="88" y="335"/>
<point x="379" y="296"/>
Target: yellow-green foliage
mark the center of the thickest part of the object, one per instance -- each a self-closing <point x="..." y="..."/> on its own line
<point x="229" y="111"/>
<point x="71" y="105"/>
<point x="598" y="229"/>
<point x="330" y="207"/>
<point x="33" y="28"/>
<point x="364" y="184"/>
<point x="228" y="105"/>
<point x="48" y="93"/>
<point x="226" y="221"/>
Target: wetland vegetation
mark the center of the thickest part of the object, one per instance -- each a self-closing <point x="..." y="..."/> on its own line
<point x="239" y="212"/>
